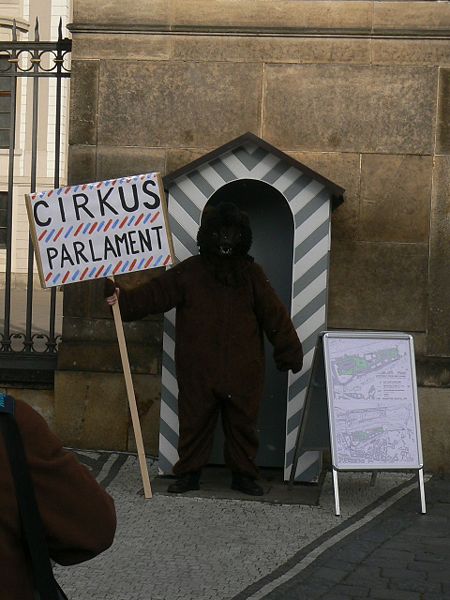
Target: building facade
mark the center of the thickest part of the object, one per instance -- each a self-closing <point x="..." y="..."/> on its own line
<point x="358" y="90"/>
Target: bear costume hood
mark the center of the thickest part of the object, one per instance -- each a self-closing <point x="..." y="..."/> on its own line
<point x="224" y="240"/>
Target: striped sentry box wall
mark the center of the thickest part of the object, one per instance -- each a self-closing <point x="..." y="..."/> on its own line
<point x="310" y="198"/>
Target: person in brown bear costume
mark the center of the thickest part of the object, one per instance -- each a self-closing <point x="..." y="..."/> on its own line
<point x="224" y="305"/>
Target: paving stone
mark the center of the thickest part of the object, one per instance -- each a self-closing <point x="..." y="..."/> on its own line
<point x="389" y="594"/>
<point x="367" y="574"/>
<point x="399" y="574"/>
<point x="442" y="576"/>
<point x="200" y="548"/>
<point x="386" y="563"/>
<point x="416" y="586"/>
<point x="349" y="591"/>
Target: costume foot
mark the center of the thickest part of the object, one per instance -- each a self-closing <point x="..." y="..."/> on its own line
<point x="185" y="483"/>
<point x="246" y="485"/>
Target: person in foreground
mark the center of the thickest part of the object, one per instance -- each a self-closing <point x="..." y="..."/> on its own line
<point x="78" y="515"/>
<point x="224" y="305"/>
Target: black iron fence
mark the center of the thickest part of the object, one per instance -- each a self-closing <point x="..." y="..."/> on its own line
<point x="27" y="351"/>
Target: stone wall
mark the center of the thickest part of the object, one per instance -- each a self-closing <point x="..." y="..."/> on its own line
<point x="357" y="90"/>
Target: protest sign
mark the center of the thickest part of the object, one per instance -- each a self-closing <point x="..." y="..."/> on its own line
<point x="100" y="229"/>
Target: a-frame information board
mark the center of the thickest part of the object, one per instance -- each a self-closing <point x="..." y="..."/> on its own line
<point x="362" y="403"/>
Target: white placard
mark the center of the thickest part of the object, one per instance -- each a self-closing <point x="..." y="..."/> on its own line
<point x="100" y="229"/>
<point x="372" y="401"/>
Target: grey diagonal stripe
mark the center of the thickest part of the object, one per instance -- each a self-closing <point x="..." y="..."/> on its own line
<point x="314" y="238"/>
<point x="294" y="421"/>
<point x="180" y="233"/>
<point x="250" y="160"/>
<point x="296" y="187"/>
<point x="299" y="385"/>
<point x="169" y="399"/>
<point x="314" y="204"/>
<point x="310" y="342"/>
<point x="221" y="169"/>
<point x="169" y="363"/>
<point x="290" y="456"/>
<point x="317" y="269"/>
<point x="200" y="182"/>
<point x="164" y="464"/>
<point x="169" y="329"/>
<point x="310" y="308"/>
<point x="310" y="473"/>
<point x="276" y="172"/>
<point x="185" y="202"/>
<point x="170" y="435"/>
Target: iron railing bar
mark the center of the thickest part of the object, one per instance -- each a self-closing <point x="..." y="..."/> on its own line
<point x="28" y="342"/>
<point x="6" y="341"/>
<point x="65" y="44"/>
<point x="25" y="59"/>
<point x="52" y="340"/>
<point x="33" y="75"/>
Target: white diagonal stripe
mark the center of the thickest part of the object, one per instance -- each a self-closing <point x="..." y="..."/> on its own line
<point x="316" y="321"/>
<point x="285" y="180"/>
<point x="263" y="167"/>
<point x="184" y="220"/>
<point x="318" y="285"/>
<point x="308" y="260"/>
<point x="181" y="252"/>
<point x="194" y="194"/>
<point x="305" y="461"/>
<point x="306" y="194"/>
<point x="170" y="315"/>
<point x="169" y="417"/>
<point x="167" y="450"/>
<point x="296" y="404"/>
<point x="238" y="169"/>
<point x="169" y="345"/>
<point x="312" y="223"/>
<point x="213" y="178"/>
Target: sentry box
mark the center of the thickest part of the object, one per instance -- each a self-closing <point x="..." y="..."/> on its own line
<point x="289" y="207"/>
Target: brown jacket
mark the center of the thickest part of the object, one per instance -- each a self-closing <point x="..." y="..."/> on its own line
<point x="219" y="328"/>
<point x="78" y="515"/>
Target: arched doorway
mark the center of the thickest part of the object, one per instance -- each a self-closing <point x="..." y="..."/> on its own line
<point x="273" y="238"/>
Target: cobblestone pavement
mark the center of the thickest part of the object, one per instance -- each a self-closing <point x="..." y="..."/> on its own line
<point x="197" y="548"/>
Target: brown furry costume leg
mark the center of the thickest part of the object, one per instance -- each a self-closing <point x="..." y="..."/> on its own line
<point x="239" y="418"/>
<point x="198" y="414"/>
<point x="198" y="411"/>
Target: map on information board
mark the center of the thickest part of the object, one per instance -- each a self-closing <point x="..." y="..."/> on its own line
<point x="372" y="402"/>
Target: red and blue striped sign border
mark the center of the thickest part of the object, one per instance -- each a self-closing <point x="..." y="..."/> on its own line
<point x="112" y="269"/>
<point x="90" y="186"/>
<point x="88" y="228"/>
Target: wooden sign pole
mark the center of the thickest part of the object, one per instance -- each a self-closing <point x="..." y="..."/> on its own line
<point x="132" y="400"/>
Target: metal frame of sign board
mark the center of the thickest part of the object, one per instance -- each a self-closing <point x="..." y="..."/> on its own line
<point x="417" y="463"/>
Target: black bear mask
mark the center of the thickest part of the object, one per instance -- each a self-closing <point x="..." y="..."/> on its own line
<point x="224" y="231"/>
<point x="224" y="240"/>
